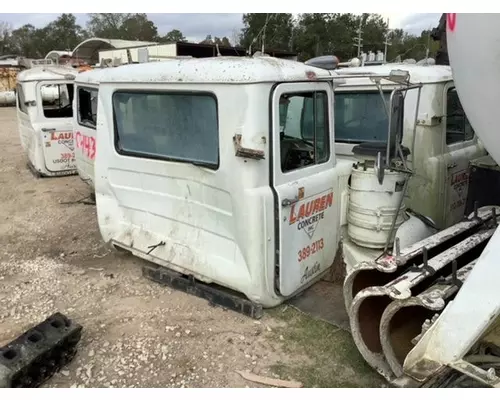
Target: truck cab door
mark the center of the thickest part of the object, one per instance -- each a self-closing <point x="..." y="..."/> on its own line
<point x="304" y="179"/>
<point x="55" y="116"/>
<point x="460" y="147"/>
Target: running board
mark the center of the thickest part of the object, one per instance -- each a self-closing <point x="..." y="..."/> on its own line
<point x="215" y="296"/>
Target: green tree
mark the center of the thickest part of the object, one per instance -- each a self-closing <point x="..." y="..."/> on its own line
<point x="405" y="45"/>
<point x="272" y="30"/>
<point x="6" y="39"/>
<point x="28" y="41"/>
<point x="122" y="26"/>
<point x="174" y="35"/>
<point x="139" y="27"/>
<point x="312" y="35"/>
<point x="222" y="42"/>
<point x="207" y="40"/>
<point x="62" y="34"/>
<point x="374" y="30"/>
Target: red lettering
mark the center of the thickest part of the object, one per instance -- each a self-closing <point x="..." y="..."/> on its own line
<point x="92" y="148"/>
<point x="302" y="212"/>
<point x="322" y="204"/>
<point x="292" y="218"/>
<point x="317" y="204"/>
<point x="329" y="200"/>
<point x="310" y="208"/>
<point x="451" y="21"/>
<point x="87" y="144"/>
<point x="61" y="135"/>
<point x="459" y="177"/>
<point x="310" y="250"/>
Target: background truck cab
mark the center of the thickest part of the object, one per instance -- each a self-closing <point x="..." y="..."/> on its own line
<point x="440" y="138"/>
<point x="45" y="116"/>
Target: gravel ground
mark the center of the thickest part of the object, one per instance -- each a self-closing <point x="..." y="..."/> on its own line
<point x="135" y="332"/>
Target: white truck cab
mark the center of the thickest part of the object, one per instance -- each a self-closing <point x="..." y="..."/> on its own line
<point x="194" y="172"/>
<point x="45" y="116"/>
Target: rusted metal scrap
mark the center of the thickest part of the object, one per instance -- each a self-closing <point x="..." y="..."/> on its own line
<point x="39" y="353"/>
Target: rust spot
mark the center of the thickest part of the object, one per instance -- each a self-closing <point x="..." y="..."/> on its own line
<point x="244" y="152"/>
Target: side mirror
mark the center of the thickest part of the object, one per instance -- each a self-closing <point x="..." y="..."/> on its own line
<point x="396" y="110"/>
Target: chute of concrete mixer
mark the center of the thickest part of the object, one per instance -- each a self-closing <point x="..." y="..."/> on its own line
<point x="475" y="61"/>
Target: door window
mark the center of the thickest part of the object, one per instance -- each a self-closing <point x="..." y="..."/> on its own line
<point x="458" y="127"/>
<point x="57" y="100"/>
<point x="304" y="130"/>
<point x="87" y="107"/>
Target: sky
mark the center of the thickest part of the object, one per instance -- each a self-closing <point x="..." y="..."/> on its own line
<point x="196" y="27"/>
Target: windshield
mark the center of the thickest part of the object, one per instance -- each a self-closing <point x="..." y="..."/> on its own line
<point x="360" y="117"/>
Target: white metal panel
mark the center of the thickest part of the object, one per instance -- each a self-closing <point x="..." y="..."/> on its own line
<point x="216" y="225"/>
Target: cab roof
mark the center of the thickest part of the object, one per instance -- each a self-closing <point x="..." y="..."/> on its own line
<point x="226" y="70"/>
<point x="91" y="77"/>
<point x="47" y="73"/>
<point x="419" y="74"/>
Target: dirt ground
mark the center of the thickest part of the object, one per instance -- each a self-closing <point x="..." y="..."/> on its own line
<point x="135" y="332"/>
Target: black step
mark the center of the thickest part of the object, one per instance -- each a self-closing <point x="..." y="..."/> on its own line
<point x="216" y="296"/>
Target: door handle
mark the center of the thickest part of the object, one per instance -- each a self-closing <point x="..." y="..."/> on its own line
<point x="289" y="202"/>
<point x="48" y="129"/>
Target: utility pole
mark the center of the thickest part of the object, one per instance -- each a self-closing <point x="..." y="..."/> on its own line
<point x="386" y="43"/>
<point x="427" y="50"/>
<point x="359" y="40"/>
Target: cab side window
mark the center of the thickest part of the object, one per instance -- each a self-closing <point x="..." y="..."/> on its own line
<point x="304" y="130"/>
<point x="170" y="126"/>
<point x="458" y="127"/>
